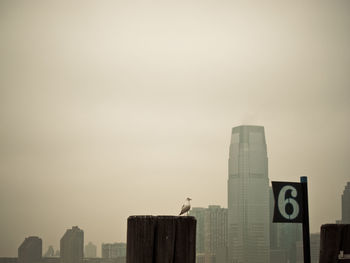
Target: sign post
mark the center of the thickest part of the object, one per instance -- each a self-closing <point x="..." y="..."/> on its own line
<point x="306" y="230"/>
<point x="291" y="206"/>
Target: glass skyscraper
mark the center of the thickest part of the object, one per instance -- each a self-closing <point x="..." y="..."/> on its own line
<point x="248" y="196"/>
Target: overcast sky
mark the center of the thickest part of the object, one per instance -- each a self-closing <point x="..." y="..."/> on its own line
<point x="116" y="108"/>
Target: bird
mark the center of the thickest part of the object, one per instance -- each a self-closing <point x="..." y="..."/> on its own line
<point x="186" y="207"/>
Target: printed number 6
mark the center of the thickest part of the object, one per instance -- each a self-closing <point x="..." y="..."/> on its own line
<point x="283" y="202"/>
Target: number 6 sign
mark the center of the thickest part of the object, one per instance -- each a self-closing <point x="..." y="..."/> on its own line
<point x="288" y="202"/>
<point x="292" y="206"/>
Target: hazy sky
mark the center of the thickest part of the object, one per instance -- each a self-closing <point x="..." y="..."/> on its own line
<point x="116" y="108"/>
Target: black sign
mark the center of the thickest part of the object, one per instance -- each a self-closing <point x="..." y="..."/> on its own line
<point x="288" y="202"/>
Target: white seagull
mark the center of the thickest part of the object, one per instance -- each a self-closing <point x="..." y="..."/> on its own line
<point x="186" y="207"/>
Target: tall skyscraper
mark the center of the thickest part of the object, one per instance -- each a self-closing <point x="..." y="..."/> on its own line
<point x="30" y="250"/>
<point x="72" y="246"/>
<point x="248" y="196"/>
<point x="345" y="205"/>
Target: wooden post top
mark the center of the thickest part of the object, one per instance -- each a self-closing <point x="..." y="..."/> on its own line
<point x="161" y="239"/>
<point x="145" y="217"/>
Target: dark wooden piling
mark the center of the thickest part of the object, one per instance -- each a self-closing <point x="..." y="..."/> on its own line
<point x="161" y="239"/>
<point x="334" y="238"/>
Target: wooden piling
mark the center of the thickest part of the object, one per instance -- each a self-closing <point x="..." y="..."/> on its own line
<point x="334" y="238"/>
<point x="161" y="239"/>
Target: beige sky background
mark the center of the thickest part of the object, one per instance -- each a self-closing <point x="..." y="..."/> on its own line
<point x="116" y="108"/>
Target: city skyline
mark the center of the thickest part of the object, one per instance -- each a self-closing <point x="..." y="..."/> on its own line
<point x="107" y="108"/>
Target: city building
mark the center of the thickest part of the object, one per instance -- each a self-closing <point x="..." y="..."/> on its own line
<point x="115" y="250"/>
<point x="215" y="226"/>
<point x="90" y="250"/>
<point x="50" y="252"/>
<point x="288" y="236"/>
<point x="222" y="255"/>
<point x="50" y="260"/>
<point x="315" y="240"/>
<point x="314" y="249"/>
<point x="105" y="260"/>
<point x="30" y="250"/>
<point x="211" y="234"/>
<point x="274" y="227"/>
<point x="8" y="260"/>
<point x="72" y="246"/>
<point x="248" y="196"/>
<point x="278" y="256"/>
<point x="345" y="205"/>
<point x="199" y="214"/>
<point x="200" y="258"/>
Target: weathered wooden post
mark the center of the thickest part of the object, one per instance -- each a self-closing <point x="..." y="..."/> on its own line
<point x="335" y="243"/>
<point x="161" y="239"/>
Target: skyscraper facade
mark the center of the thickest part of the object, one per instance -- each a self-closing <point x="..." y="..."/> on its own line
<point x="248" y="196"/>
<point x="345" y="202"/>
<point x="72" y="246"/>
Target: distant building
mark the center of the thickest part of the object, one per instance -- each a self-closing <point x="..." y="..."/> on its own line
<point x="8" y="260"/>
<point x="248" y="196"/>
<point x="30" y="250"/>
<point x="50" y="260"/>
<point x="222" y="255"/>
<point x="200" y="258"/>
<point x="72" y="246"/>
<point x="345" y="205"/>
<point x="105" y="260"/>
<point x="288" y="236"/>
<point x="114" y="250"/>
<point x="90" y="250"/>
<point x="315" y="240"/>
<point x="215" y="226"/>
<point x="274" y="233"/>
<point x="314" y="249"/>
<point x="199" y="214"/>
<point x="278" y="256"/>
<point x="50" y="252"/>
<point x="211" y="231"/>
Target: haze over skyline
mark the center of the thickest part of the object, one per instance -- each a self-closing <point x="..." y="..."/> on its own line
<point x="110" y="109"/>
